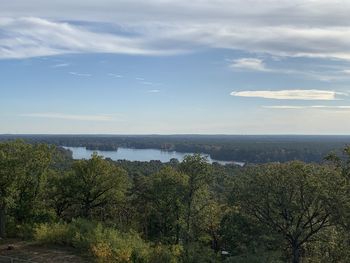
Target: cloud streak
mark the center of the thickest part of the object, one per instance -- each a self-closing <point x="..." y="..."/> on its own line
<point x="61" y="65"/>
<point x="64" y="116"/>
<point x="254" y="64"/>
<point x="114" y="75"/>
<point x="153" y="91"/>
<point x="302" y="28"/>
<point x="293" y="107"/>
<point x="289" y="94"/>
<point x="33" y="37"/>
<point x="80" y="74"/>
<point x="248" y="64"/>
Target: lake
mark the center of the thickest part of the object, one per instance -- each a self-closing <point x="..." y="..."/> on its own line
<point x="143" y="155"/>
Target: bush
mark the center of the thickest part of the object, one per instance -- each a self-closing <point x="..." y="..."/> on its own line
<point x="105" y="244"/>
<point x="23" y="231"/>
<point x="54" y="233"/>
<point x="198" y="253"/>
<point x="169" y="254"/>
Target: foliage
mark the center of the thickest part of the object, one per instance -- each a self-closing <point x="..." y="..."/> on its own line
<point x="165" y="195"/>
<point x="97" y="183"/>
<point x="166" y="253"/>
<point x="292" y="200"/>
<point x="189" y="211"/>
<point x="104" y="243"/>
<point x="23" y="171"/>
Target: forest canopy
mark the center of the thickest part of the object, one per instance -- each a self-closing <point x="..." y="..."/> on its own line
<point x="189" y="211"/>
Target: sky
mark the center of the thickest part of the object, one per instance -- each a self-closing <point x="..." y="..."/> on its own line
<point x="175" y="67"/>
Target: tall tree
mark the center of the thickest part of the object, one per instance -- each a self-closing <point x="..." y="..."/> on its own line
<point x="98" y="183"/>
<point x="35" y="161"/>
<point x="341" y="202"/>
<point x="198" y="170"/>
<point x="167" y="195"/>
<point x="22" y="172"/>
<point x="292" y="200"/>
<point x="61" y="192"/>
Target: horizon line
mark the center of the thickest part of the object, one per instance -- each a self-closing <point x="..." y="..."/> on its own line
<point x="168" y="134"/>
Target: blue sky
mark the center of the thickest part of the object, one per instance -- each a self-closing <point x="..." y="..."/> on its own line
<point x="212" y="67"/>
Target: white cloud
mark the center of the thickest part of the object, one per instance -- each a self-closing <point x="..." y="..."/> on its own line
<point x="143" y="81"/>
<point x="292" y="107"/>
<point x="153" y="91"/>
<point x="63" y="116"/>
<point x="61" y="65"/>
<point x="80" y="74"/>
<point x="284" y="107"/>
<point x="115" y="75"/>
<point x="248" y="64"/>
<point x="147" y="83"/>
<point x="289" y="94"/>
<point x="33" y="37"/>
<point x="330" y="107"/>
<point x="309" y="28"/>
<point x="327" y="73"/>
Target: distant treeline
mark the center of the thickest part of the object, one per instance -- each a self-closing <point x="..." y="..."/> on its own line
<point x="249" y="149"/>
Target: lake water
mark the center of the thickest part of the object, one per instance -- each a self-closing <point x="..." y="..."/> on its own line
<point x="144" y="155"/>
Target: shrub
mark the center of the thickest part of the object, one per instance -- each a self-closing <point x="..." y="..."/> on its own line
<point x="105" y="244"/>
<point x="198" y="253"/>
<point x="54" y="233"/>
<point x="169" y="254"/>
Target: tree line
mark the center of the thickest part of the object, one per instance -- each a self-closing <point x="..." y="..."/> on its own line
<point x="241" y="148"/>
<point x="189" y="211"/>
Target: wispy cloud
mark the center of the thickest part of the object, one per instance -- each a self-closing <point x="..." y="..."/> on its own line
<point x="51" y="115"/>
<point x="292" y="107"/>
<point x="290" y="94"/>
<point x="284" y="107"/>
<point x="330" y="107"/>
<point x="328" y="73"/>
<point x="153" y="91"/>
<point x="147" y="83"/>
<point x="304" y="28"/>
<point x="143" y="81"/>
<point x="34" y="37"/>
<point x="61" y="65"/>
<point x="114" y="75"/>
<point x="248" y="64"/>
<point x="80" y="74"/>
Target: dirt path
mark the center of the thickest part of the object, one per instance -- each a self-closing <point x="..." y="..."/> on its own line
<point x="23" y="251"/>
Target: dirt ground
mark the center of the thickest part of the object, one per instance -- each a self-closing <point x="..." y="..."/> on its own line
<point x="15" y="251"/>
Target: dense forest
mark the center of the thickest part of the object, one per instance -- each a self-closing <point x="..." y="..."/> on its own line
<point x="189" y="211"/>
<point x="247" y="149"/>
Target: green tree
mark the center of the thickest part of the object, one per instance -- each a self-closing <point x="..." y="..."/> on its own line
<point x="167" y="195"/>
<point x="61" y="192"/>
<point x="97" y="183"/>
<point x="23" y="168"/>
<point x="9" y="172"/>
<point x="341" y="202"/>
<point x="211" y="216"/>
<point x="341" y="164"/>
<point x="31" y="185"/>
<point x="292" y="200"/>
<point x="198" y="170"/>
